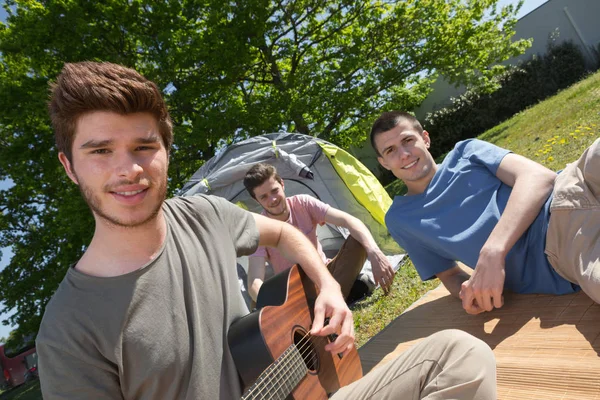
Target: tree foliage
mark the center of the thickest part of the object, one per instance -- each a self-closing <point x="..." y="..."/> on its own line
<point x="229" y="70"/>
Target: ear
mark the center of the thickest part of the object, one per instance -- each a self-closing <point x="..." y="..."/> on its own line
<point x="383" y="163"/>
<point x="62" y="157"/>
<point x="426" y="139"/>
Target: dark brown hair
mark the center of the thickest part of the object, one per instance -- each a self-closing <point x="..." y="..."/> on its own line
<point x="100" y="86"/>
<point x="259" y="174"/>
<point x="388" y="121"/>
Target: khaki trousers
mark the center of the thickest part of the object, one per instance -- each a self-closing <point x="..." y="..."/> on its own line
<point x="573" y="237"/>
<point x="347" y="264"/>
<point x="447" y="365"/>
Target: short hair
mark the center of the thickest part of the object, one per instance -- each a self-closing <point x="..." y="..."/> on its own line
<point x="88" y="86"/>
<point x="259" y="174"/>
<point x="388" y="121"/>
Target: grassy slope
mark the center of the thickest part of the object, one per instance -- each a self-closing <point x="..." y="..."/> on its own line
<point x="553" y="133"/>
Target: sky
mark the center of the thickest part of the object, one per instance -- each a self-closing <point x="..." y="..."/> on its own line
<point x="528" y="6"/>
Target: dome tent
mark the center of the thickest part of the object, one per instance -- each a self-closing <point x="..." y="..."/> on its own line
<point x="308" y="165"/>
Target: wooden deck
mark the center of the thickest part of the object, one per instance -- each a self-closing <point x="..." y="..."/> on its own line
<point x="546" y="347"/>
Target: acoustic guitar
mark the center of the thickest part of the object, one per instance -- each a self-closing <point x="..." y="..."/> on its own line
<point x="274" y="353"/>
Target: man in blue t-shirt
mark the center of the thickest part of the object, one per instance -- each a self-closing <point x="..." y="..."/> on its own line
<point x="491" y="210"/>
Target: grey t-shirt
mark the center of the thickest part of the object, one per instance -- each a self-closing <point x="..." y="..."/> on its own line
<point x="159" y="332"/>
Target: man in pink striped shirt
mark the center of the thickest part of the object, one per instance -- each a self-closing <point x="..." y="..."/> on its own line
<point x="305" y="212"/>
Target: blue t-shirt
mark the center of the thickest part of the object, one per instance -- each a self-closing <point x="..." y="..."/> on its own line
<point x="455" y="215"/>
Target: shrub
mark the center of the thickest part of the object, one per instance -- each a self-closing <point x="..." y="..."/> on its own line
<point x="476" y="111"/>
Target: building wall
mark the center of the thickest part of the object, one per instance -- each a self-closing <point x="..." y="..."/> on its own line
<point x="574" y="20"/>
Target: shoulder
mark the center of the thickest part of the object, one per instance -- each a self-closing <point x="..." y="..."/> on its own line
<point x="191" y="202"/>
<point x="197" y="204"/>
<point x="469" y="147"/>
<point x="304" y="200"/>
<point x="309" y="199"/>
<point x="475" y="152"/>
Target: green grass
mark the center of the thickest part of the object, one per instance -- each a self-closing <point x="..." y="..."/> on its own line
<point x="553" y="133"/>
<point x="31" y="391"/>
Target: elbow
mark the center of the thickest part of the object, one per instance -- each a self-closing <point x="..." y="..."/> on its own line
<point x="547" y="180"/>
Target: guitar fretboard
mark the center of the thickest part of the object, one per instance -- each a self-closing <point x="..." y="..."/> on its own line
<point x="280" y="379"/>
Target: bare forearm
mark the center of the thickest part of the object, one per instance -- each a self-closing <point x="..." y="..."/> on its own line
<point x="360" y="232"/>
<point x="524" y="204"/>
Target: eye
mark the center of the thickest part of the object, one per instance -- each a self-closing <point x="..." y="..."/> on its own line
<point x="143" y="148"/>
<point x="100" y="151"/>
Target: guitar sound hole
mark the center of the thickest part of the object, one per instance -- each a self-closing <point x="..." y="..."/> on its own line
<point x="307" y="350"/>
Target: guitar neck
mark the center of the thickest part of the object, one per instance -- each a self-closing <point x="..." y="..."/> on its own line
<point x="280" y="379"/>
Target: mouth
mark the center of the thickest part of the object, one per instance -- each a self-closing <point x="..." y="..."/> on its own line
<point x="129" y="193"/>
<point x="412" y="164"/>
<point x="130" y="197"/>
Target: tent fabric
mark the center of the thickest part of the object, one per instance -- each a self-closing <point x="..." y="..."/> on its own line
<point x="361" y="182"/>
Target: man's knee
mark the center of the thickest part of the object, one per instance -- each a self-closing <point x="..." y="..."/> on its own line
<point x="591" y="166"/>
<point x="463" y="343"/>
<point x="354" y="246"/>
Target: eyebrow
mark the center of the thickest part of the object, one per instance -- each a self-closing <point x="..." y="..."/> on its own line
<point x="94" y="144"/>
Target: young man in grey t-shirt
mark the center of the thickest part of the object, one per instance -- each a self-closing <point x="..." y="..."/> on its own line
<point x="144" y="313"/>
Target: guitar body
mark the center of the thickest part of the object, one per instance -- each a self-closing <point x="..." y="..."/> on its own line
<point x="283" y="321"/>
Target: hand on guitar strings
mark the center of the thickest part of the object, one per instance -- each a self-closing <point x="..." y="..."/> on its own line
<point x="330" y="304"/>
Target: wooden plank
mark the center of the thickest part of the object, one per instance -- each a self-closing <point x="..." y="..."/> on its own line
<point x="546" y="347"/>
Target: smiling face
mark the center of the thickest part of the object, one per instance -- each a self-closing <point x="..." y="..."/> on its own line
<point x="404" y="151"/>
<point x="120" y="164"/>
<point x="271" y="197"/>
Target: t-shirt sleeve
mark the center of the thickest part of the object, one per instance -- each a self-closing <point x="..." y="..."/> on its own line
<point x="483" y="153"/>
<point x="426" y="261"/>
<point x="240" y="224"/>
<point x="64" y="375"/>
<point x="315" y="208"/>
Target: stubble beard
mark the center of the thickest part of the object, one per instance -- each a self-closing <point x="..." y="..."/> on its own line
<point x="283" y="212"/>
<point x="94" y="203"/>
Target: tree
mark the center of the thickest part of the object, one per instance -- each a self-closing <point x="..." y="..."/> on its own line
<point x="229" y="70"/>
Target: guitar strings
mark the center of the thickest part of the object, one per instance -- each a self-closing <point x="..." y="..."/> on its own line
<point x="303" y="346"/>
<point x="280" y="365"/>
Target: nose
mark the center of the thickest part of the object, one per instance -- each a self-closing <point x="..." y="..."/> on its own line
<point x="128" y="166"/>
<point x="404" y="152"/>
